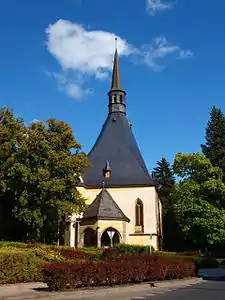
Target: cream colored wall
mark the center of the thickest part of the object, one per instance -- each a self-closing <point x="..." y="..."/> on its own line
<point x="144" y="240"/>
<point x="126" y="200"/>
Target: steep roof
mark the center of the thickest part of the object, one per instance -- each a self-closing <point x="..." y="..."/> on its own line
<point x="104" y="208"/>
<point x="116" y="143"/>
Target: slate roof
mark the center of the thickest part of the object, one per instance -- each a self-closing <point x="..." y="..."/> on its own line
<point x="116" y="143"/>
<point x="104" y="208"/>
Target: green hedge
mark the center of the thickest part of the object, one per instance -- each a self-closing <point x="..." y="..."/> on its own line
<point x="19" y="266"/>
<point x="4" y="244"/>
<point x="126" y="248"/>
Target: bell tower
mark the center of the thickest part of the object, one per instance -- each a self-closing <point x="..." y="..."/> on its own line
<point x="116" y="94"/>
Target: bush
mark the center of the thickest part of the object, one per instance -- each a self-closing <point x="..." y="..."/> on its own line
<point x="110" y="253"/>
<point x="165" y="253"/>
<point x="47" y="254"/>
<point x="189" y="253"/>
<point x="19" y="266"/>
<point x="74" y="254"/>
<point x="4" y="244"/>
<point x="208" y="262"/>
<point x="123" y="270"/>
<point x="93" y="253"/>
<point x="126" y="248"/>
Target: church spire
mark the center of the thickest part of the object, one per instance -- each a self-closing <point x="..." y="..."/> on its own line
<point x="116" y="76"/>
<point x="116" y="94"/>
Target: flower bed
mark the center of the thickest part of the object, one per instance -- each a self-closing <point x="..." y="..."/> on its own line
<point x="122" y="270"/>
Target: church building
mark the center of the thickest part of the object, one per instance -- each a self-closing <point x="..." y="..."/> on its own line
<point x="122" y="202"/>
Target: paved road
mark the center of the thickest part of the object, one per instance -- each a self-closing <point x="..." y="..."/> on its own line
<point x="207" y="290"/>
<point x="142" y="291"/>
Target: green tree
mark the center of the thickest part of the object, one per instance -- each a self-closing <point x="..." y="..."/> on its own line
<point x="198" y="200"/>
<point x="11" y="133"/>
<point x="164" y="178"/>
<point x="46" y="168"/>
<point x="214" y="147"/>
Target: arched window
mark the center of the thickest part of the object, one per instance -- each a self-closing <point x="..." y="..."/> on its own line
<point x="139" y="216"/>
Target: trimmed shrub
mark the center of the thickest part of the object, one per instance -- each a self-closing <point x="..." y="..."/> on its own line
<point x="126" y="248"/>
<point x="122" y="270"/>
<point x="110" y="253"/>
<point x="47" y="254"/>
<point x="208" y="262"/>
<point x="4" y="244"/>
<point x="19" y="266"/>
<point x="189" y="253"/>
<point x="165" y="253"/>
<point x="93" y="253"/>
<point x="74" y="254"/>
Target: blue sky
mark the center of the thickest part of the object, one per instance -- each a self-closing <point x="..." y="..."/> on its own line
<point x="56" y="57"/>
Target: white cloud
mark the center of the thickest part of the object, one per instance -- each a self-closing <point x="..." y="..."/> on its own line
<point x="185" y="54"/>
<point x="86" y="51"/>
<point x="72" y="85"/>
<point x="84" y="54"/>
<point x="155" y="54"/>
<point x="154" y="6"/>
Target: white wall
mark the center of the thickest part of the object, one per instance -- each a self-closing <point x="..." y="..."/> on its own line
<point x="126" y="200"/>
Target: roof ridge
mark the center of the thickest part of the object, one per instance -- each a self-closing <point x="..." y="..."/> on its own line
<point x="99" y="202"/>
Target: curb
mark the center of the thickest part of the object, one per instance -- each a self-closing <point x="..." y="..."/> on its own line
<point x="197" y="278"/>
<point x="213" y="278"/>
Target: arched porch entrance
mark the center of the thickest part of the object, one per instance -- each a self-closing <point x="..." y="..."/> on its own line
<point x="90" y="237"/>
<point x="105" y="239"/>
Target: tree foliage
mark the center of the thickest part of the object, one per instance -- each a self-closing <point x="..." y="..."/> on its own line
<point x="164" y="178"/>
<point x="43" y="165"/>
<point x="199" y="200"/>
<point x="214" y="147"/>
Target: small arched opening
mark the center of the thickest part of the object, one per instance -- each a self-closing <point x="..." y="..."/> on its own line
<point x="90" y="237"/>
<point x="105" y="239"/>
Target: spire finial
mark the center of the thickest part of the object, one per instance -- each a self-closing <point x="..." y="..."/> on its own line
<point x="116" y="39"/>
<point x="116" y="77"/>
